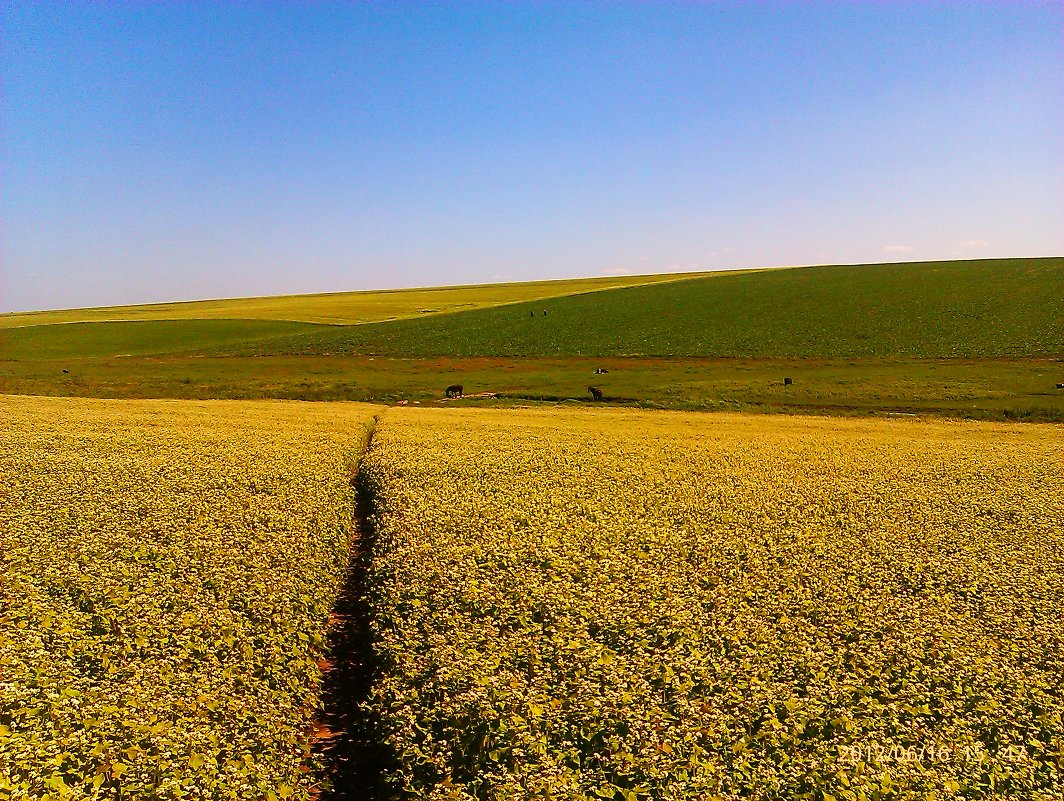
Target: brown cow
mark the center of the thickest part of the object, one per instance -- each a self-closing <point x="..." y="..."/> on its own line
<point x="454" y="391"/>
<point x="596" y="393"/>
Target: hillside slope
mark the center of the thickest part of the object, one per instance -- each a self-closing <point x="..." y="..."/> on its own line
<point x="138" y="338"/>
<point x="338" y="308"/>
<point x="959" y="309"/>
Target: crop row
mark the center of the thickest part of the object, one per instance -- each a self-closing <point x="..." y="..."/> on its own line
<point x="664" y="606"/>
<point x="166" y="574"/>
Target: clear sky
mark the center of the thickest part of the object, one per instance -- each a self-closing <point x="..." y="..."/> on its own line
<point x="172" y="151"/>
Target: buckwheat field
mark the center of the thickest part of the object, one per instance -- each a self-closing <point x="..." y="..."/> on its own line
<point x="563" y="604"/>
<point x="628" y="605"/>
<point x="166" y="574"/>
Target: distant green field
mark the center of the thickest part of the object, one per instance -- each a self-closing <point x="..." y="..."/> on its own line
<point x="967" y="309"/>
<point x="991" y="389"/>
<point x="972" y="339"/>
<point x="86" y="340"/>
<point x="341" y="308"/>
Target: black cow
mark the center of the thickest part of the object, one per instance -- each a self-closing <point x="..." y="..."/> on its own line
<point x="544" y="312"/>
<point x="596" y="393"/>
<point x="787" y="382"/>
<point x="454" y="391"/>
<point x="531" y="313"/>
<point x="601" y="371"/>
<point x="1060" y="386"/>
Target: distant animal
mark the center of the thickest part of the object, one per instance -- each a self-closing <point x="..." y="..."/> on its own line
<point x="601" y="371"/>
<point x="454" y="391"/>
<point x="1059" y="386"/>
<point x="531" y="313"/>
<point x="66" y="371"/>
<point x="787" y="382"/>
<point x="596" y="393"/>
<point x="544" y="312"/>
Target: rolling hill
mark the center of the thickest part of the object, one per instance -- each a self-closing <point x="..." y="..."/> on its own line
<point x="338" y="308"/>
<point x="972" y="339"/>
<point x="1005" y="308"/>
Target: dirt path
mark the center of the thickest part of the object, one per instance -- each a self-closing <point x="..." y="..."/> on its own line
<point x="345" y="737"/>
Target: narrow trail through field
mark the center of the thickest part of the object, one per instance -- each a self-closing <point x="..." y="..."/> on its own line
<point x="345" y="737"/>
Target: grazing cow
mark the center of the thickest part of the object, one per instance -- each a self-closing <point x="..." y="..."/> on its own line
<point x="544" y="312"/>
<point x="787" y="382"/>
<point x="454" y="391"/>
<point x="601" y="371"/>
<point x="1060" y="386"/>
<point x="66" y="371"/>
<point x="531" y="313"/>
<point x="596" y="393"/>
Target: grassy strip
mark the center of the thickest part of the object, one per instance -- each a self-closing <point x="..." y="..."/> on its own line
<point x="124" y="339"/>
<point x="166" y="575"/>
<point x="631" y="606"/>
<point x="987" y="389"/>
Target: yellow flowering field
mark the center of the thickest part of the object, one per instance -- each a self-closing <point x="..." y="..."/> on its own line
<point x="166" y="573"/>
<point x="622" y="605"/>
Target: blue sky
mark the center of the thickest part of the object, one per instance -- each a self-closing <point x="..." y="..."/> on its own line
<point x="156" y="152"/>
